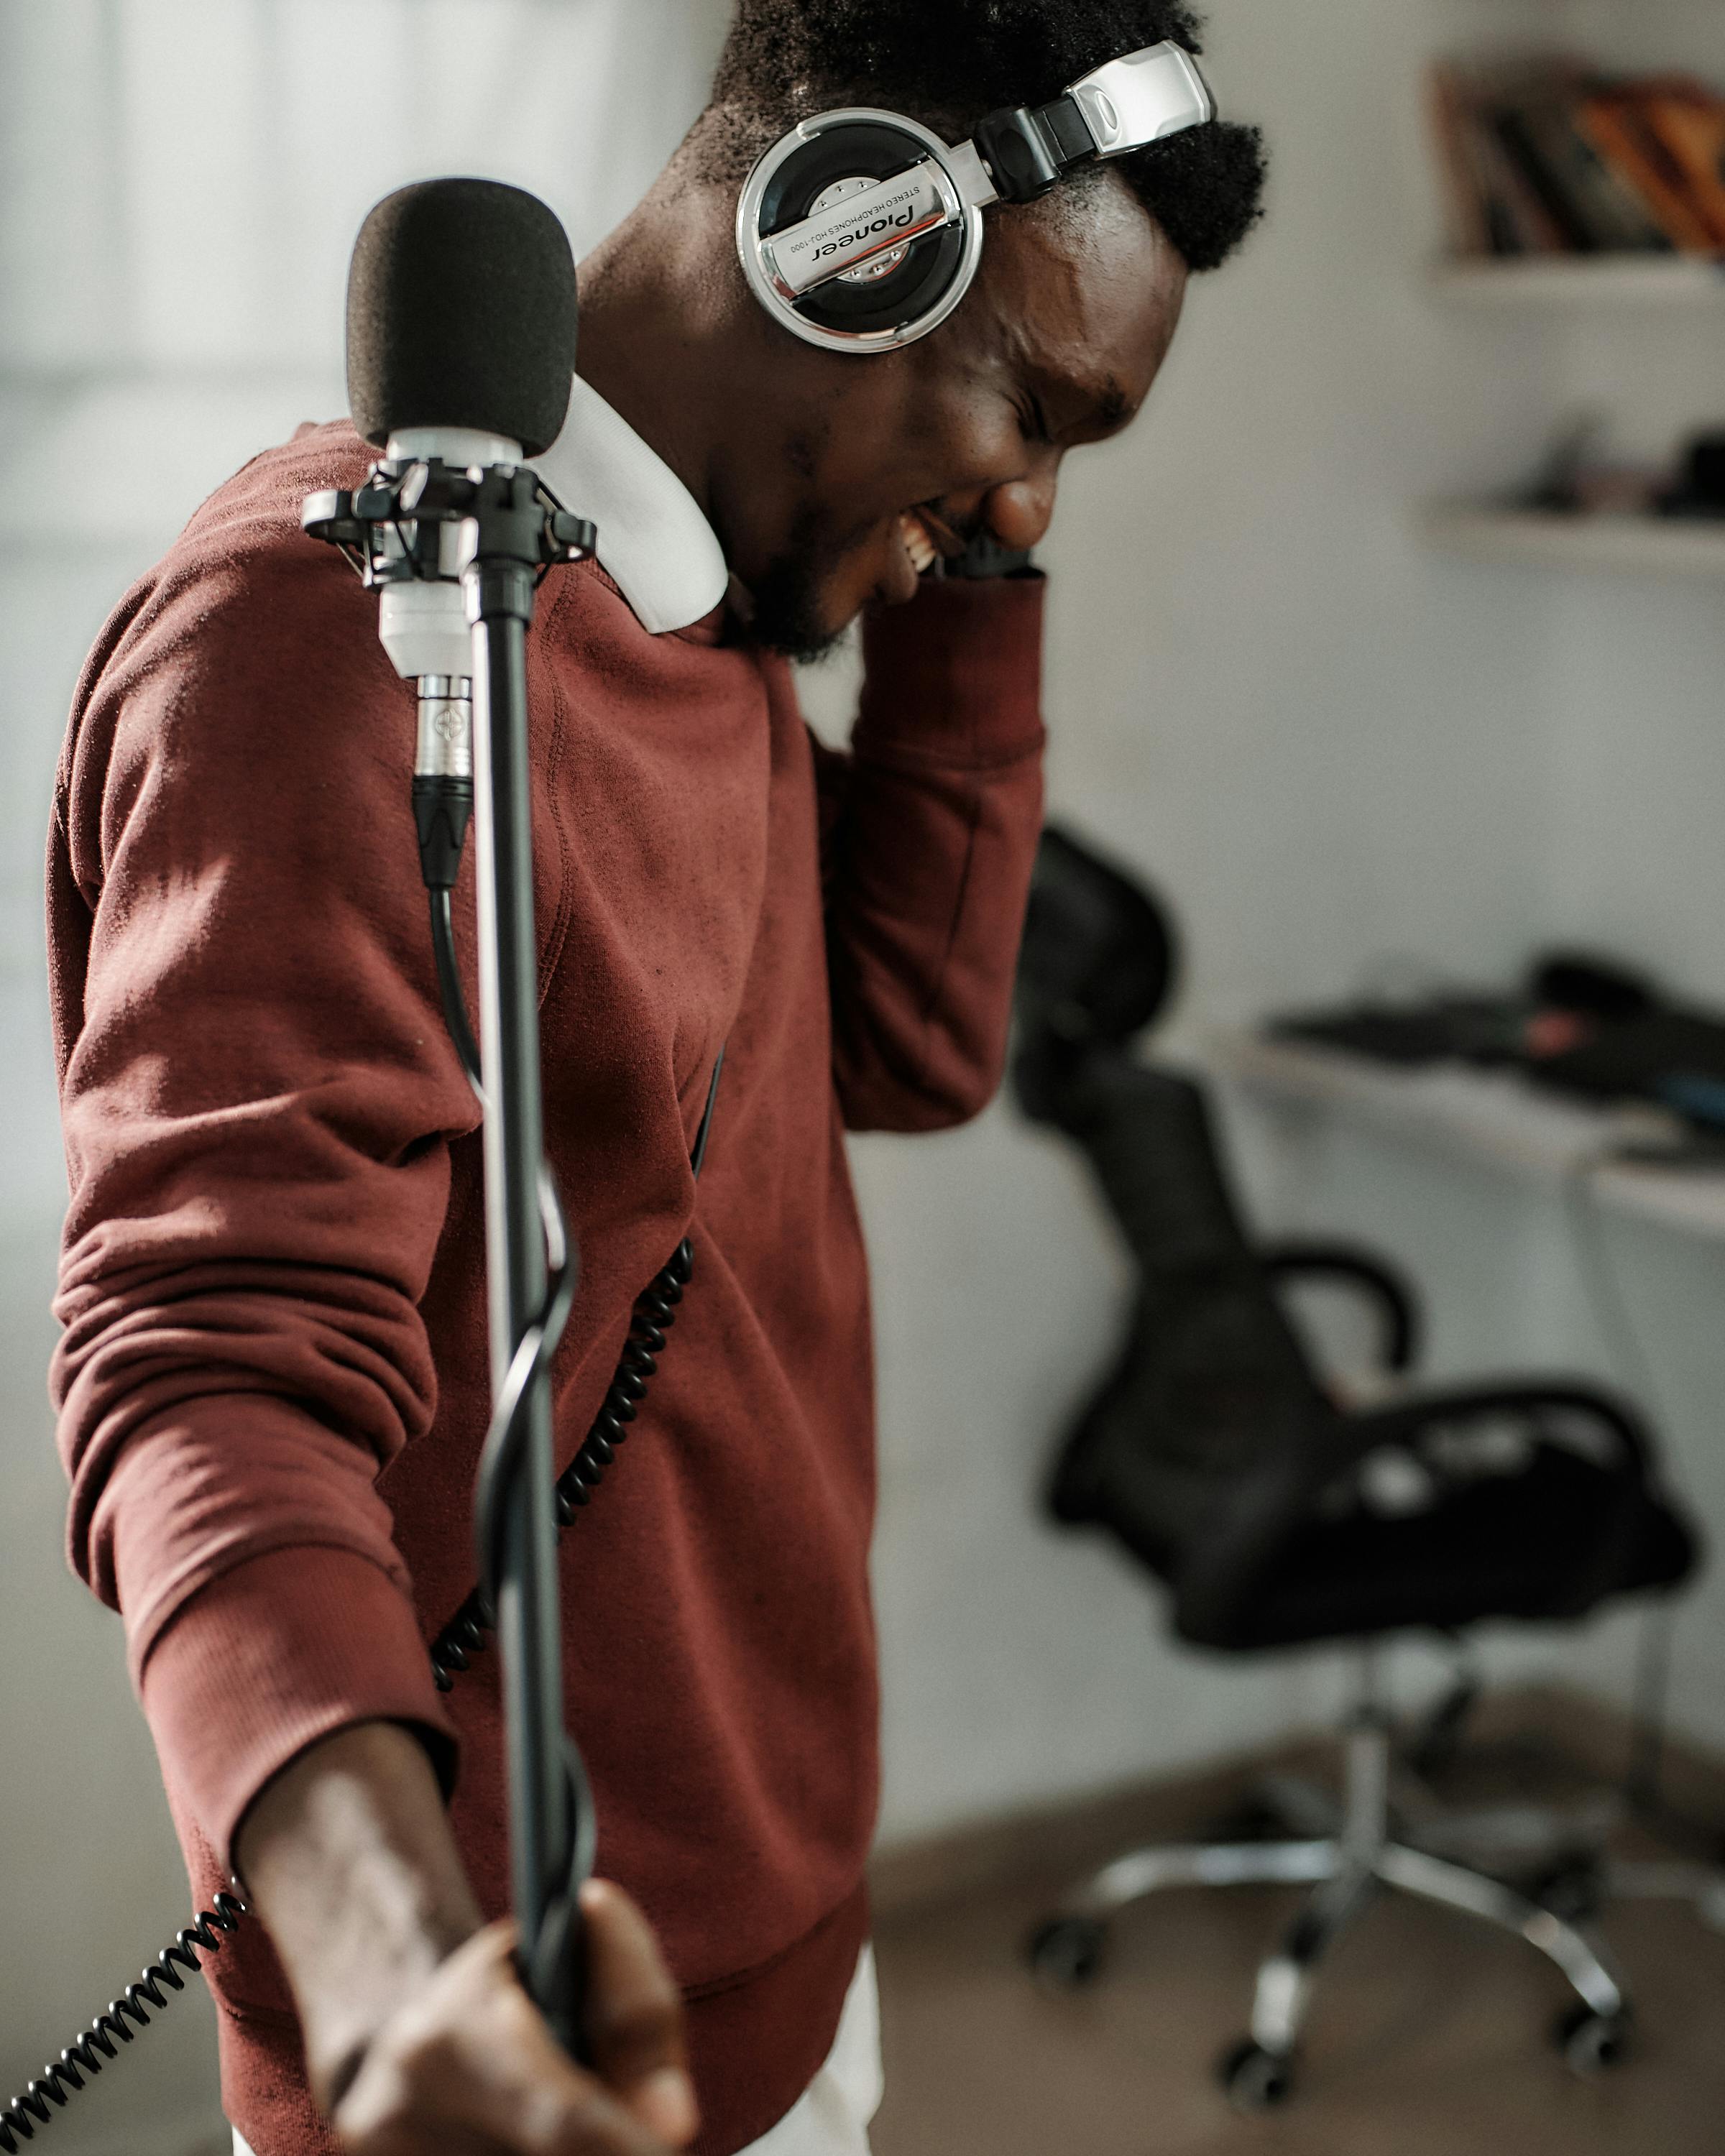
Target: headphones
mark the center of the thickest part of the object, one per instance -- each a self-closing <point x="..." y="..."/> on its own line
<point x="861" y="230"/>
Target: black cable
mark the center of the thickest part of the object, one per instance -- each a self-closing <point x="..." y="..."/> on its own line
<point x="556" y="1945"/>
<point x="539" y="1343"/>
<point x="449" y="985"/>
<point x="500" y="1452"/>
<point x="468" y="1631"/>
<point x="91" y="2049"/>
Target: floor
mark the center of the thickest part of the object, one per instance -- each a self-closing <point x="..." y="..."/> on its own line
<point x="1431" y="2037"/>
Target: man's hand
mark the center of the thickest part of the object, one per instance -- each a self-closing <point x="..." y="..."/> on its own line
<point x="420" y="2039"/>
<point x="469" y="2064"/>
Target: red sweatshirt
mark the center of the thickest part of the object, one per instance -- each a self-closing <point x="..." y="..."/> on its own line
<point x="273" y="1382"/>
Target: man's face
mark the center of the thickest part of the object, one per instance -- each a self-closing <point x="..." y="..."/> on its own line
<point x="855" y="472"/>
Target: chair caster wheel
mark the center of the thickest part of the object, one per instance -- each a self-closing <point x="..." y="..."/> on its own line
<point x="1254" y="2079"/>
<point x="1591" y="2042"/>
<point x="1065" y="1953"/>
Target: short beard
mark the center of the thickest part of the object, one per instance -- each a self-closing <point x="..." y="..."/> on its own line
<point x="788" y="617"/>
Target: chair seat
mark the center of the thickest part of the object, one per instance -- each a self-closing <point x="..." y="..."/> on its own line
<point x="1553" y="1540"/>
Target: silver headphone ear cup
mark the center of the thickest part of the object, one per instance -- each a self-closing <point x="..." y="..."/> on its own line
<point x="877" y="311"/>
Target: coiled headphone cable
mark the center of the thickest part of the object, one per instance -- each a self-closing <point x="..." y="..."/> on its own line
<point x="468" y="1631"/>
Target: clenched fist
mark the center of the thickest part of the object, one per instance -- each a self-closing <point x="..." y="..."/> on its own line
<point x="419" y="2038"/>
<point x="468" y="2065"/>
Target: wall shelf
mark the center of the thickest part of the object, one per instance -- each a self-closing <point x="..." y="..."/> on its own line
<point x="1562" y="280"/>
<point x="1494" y="1118"/>
<point x="1643" y="546"/>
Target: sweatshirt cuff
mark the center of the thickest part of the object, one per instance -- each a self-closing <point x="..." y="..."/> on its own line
<point x="954" y="679"/>
<point x="271" y="1658"/>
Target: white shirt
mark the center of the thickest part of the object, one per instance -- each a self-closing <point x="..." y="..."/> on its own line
<point x="654" y="542"/>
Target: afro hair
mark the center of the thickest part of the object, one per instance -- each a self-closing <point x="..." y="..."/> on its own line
<point x="948" y="63"/>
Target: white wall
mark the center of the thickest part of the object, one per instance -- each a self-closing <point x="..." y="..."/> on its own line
<point x="1329" y="747"/>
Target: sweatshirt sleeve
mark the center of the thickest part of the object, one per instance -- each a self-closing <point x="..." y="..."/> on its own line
<point x="258" y="1101"/>
<point x="932" y="826"/>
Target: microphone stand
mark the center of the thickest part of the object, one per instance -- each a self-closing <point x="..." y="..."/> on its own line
<point x="512" y="529"/>
<point x="521" y="1560"/>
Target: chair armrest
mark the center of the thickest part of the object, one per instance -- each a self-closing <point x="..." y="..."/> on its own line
<point x="1229" y="1568"/>
<point x="1355" y="1267"/>
<point x="1404" y="1421"/>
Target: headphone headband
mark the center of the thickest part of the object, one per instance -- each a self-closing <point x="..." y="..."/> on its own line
<point x="1125" y="105"/>
<point x="861" y="230"/>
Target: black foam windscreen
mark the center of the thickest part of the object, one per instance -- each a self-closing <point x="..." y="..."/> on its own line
<point x="461" y="312"/>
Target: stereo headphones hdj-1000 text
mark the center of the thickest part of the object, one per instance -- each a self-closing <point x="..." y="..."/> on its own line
<point x="861" y="230"/>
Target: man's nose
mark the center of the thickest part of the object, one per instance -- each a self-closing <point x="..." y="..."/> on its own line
<point x="1020" y="513"/>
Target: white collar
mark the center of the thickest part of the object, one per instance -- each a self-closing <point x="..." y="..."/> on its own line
<point x="655" y="544"/>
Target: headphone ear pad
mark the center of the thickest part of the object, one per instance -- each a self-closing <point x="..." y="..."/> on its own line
<point x="869" y="150"/>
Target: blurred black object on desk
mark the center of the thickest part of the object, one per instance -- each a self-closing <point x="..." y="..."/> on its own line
<point x="1580" y="1023"/>
<point x="1699" y="488"/>
<point x="1577" y="475"/>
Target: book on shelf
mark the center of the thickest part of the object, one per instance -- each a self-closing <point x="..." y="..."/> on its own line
<point x="1692" y="129"/>
<point x="1545" y="156"/>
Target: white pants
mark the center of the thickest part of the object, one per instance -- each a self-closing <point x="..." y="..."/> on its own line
<point x="831" y="2117"/>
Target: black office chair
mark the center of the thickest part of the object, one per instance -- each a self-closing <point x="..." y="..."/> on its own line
<point x="1277" y="1515"/>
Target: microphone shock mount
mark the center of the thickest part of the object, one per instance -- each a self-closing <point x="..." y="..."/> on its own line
<point x="405" y="524"/>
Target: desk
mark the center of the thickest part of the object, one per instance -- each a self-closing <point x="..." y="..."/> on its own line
<point x="1493" y="1117"/>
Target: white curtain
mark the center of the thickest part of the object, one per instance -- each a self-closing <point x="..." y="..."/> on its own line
<point x="183" y="177"/>
<point x="181" y="182"/>
<point x="180" y="185"/>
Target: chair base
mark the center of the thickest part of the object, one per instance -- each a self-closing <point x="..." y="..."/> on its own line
<point x="1346" y="1868"/>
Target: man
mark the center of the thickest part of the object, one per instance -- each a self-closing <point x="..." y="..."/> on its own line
<point x="273" y="1382"/>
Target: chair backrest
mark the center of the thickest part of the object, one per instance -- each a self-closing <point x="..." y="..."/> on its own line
<point x="1203" y="1448"/>
<point x="1099" y="964"/>
<point x="1214" y="1392"/>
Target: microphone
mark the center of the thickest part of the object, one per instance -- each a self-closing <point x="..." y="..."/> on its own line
<point x="461" y="333"/>
<point x="461" y="316"/>
<point x="461" y="324"/>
